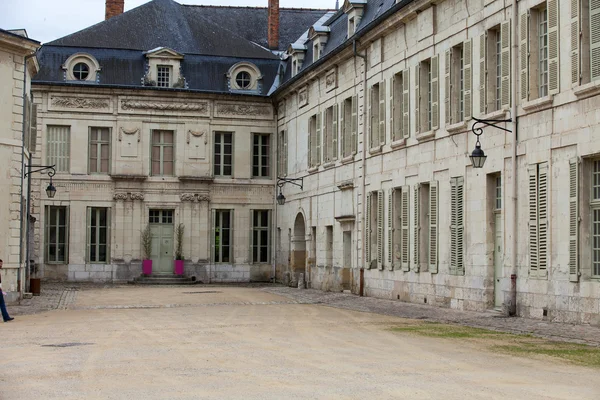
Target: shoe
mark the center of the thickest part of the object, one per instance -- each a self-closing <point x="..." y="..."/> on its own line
<point x="10" y="319"/>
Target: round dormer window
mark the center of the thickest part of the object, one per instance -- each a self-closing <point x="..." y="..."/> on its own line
<point x="81" y="71"/>
<point x="243" y="80"/>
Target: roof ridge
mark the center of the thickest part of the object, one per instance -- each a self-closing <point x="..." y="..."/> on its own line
<point x="258" y="8"/>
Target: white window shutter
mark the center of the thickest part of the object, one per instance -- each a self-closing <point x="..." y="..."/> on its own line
<point x="435" y="92"/>
<point x="433" y="227"/>
<point x="468" y="78"/>
<point x="89" y="233"/>
<point x="543" y="220"/>
<point x="312" y="144"/>
<point x="213" y="233"/>
<point x="285" y="152"/>
<point x="533" y="220"/>
<point x="391" y="229"/>
<point x="448" y="86"/>
<point x="354" y="136"/>
<point x="595" y="40"/>
<point x="405" y="226"/>
<point x="553" y="47"/>
<point x="417" y="98"/>
<point x="393" y="130"/>
<point x="524" y="55"/>
<point x="460" y="225"/>
<point x="406" y="103"/>
<point x="326" y="132"/>
<point x="380" y="225"/>
<point x="342" y="127"/>
<point x="318" y="139"/>
<point x="231" y="230"/>
<point x="372" y="125"/>
<point x="574" y="220"/>
<point x="482" y="74"/>
<point x="575" y="42"/>
<point x="334" y="133"/>
<point x="251" y="239"/>
<point x="416" y="229"/>
<point x="382" y="112"/>
<point x="33" y="128"/>
<point x="367" y="243"/>
<point x="505" y="68"/>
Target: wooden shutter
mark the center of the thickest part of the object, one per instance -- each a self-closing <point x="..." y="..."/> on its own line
<point x="406" y="103"/>
<point x="312" y="144"/>
<point x="334" y="133"/>
<point x="575" y="42"/>
<point x="416" y="229"/>
<point x="88" y="255"/>
<point x="368" y="233"/>
<point x="318" y="139"/>
<point x="533" y="220"/>
<point x="58" y="152"/>
<point x="354" y="136"/>
<point x="524" y="55"/>
<point x="460" y="225"/>
<point x="482" y="74"/>
<point x="594" y="40"/>
<point x="393" y="130"/>
<point x="33" y="129"/>
<point x="574" y="220"/>
<point x="435" y="92"/>
<point x="553" y="47"/>
<point x="380" y="224"/>
<point x="251" y="240"/>
<point x="27" y="120"/>
<point x="327" y="132"/>
<point x="417" y="98"/>
<point x="391" y="229"/>
<point x="372" y="133"/>
<point x="505" y="68"/>
<point x="543" y="220"/>
<point x="285" y="152"/>
<point x="213" y="233"/>
<point x="448" y="86"/>
<point x="405" y="226"/>
<point x="433" y="227"/>
<point x="382" y="112"/>
<point x="343" y="132"/>
<point x="468" y="79"/>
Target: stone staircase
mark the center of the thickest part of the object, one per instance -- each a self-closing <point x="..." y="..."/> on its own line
<point x="164" y="279"/>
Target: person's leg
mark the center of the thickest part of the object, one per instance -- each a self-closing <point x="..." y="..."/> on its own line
<point x="5" y="315"/>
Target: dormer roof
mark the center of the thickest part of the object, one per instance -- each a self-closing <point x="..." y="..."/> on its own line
<point x="163" y="52"/>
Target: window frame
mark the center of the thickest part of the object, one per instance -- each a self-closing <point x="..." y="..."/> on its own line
<point x="99" y="144"/>
<point x="49" y="209"/>
<point x="256" y="234"/>
<point x="217" y="226"/>
<point x="222" y="143"/>
<point x="98" y="227"/>
<point x="542" y="49"/>
<point x="261" y="154"/>
<point x="160" y="80"/>
<point x="62" y="162"/>
<point x="162" y="145"/>
<point x="594" y="207"/>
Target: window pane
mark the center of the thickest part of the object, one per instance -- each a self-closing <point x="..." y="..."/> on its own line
<point x="168" y="153"/>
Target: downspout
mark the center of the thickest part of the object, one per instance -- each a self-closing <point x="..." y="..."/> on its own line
<point x="512" y="306"/>
<point x="364" y="162"/>
<point x="25" y="60"/>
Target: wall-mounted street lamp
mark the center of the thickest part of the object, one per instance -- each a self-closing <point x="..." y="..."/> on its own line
<point x="50" y="190"/>
<point x="282" y="181"/>
<point x="478" y="156"/>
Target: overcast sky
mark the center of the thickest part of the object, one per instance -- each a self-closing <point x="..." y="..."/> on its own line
<point x="46" y="20"/>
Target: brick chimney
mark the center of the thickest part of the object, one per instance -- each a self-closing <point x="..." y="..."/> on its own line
<point x="114" y="8"/>
<point x="273" y="21"/>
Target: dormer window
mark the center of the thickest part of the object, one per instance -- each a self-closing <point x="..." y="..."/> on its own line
<point x="354" y="9"/>
<point x="163" y="74"/>
<point x="297" y="51"/>
<point x="319" y="35"/>
<point x="351" y="26"/>
<point x="244" y="76"/>
<point x="316" y="52"/>
<point x="81" y="71"/>
<point x="243" y="79"/>
<point x="81" y="68"/>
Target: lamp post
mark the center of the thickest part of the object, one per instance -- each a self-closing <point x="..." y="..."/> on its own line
<point x="478" y="156"/>
<point x="50" y="192"/>
<point x="283" y="181"/>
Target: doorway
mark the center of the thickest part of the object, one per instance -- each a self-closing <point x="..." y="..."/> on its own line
<point x="298" y="259"/>
<point x="498" y="253"/>
<point x="161" y="227"/>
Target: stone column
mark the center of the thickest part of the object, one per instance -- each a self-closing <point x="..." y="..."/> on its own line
<point x="120" y="223"/>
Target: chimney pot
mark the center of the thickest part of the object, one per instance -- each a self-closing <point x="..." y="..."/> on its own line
<point x="114" y="8"/>
<point x="273" y="21"/>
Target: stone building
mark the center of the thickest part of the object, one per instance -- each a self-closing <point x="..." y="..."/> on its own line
<point x="17" y="65"/>
<point x="369" y="110"/>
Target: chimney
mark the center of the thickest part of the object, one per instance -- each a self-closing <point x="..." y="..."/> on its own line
<point x="114" y="8"/>
<point x="273" y="21"/>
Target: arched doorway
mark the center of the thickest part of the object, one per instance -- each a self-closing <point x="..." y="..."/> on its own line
<point x="298" y="256"/>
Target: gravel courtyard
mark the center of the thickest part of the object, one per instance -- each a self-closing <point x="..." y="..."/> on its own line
<point x="212" y="342"/>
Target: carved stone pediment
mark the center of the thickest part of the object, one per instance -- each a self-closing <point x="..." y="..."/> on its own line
<point x="80" y="103"/>
<point x="243" y="110"/>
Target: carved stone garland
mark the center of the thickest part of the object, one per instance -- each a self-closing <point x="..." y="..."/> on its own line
<point x="128" y="196"/>
<point x="196" y="134"/>
<point x="130" y="132"/>
<point x="194" y="197"/>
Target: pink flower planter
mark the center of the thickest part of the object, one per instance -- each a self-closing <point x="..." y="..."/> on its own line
<point x="147" y="267"/>
<point x="178" y="267"/>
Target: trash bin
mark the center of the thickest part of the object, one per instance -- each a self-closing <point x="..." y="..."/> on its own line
<point x="35" y="285"/>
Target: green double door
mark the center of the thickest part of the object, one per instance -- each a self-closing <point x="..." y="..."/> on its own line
<point x="161" y="226"/>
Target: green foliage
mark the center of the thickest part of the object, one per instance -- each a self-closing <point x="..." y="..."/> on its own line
<point x="179" y="237"/>
<point x="147" y="242"/>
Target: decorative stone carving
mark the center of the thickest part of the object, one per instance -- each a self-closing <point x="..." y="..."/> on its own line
<point x="130" y="132"/>
<point x="157" y="105"/>
<point x="303" y="96"/>
<point x="187" y="197"/>
<point x="137" y="196"/>
<point x="120" y="196"/>
<point x="244" y="109"/>
<point x="203" y="197"/>
<point x="196" y="134"/>
<point x="80" y="102"/>
<point x="331" y="80"/>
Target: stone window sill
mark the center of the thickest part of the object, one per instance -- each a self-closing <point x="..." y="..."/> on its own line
<point x="538" y="104"/>
<point x="328" y="165"/>
<point x="457" y="127"/>
<point x="376" y="149"/>
<point x="348" y="159"/>
<point x="587" y="90"/>
<point x="312" y="170"/>
<point x="425" y="136"/>
<point x="498" y="114"/>
<point x="398" y="143"/>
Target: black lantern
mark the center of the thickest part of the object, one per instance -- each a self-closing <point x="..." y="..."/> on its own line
<point x="282" y="181"/>
<point x="280" y="199"/>
<point x="478" y="156"/>
<point x="50" y="190"/>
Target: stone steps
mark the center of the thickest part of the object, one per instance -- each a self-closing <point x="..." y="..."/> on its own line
<point x="163" y="280"/>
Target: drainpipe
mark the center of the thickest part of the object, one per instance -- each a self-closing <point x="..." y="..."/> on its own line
<point x="28" y="204"/>
<point x="512" y="306"/>
<point x="364" y="159"/>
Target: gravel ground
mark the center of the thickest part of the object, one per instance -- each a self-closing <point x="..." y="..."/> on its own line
<point x="215" y="342"/>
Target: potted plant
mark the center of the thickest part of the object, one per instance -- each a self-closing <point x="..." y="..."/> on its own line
<point x="179" y="250"/>
<point x="147" y="248"/>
